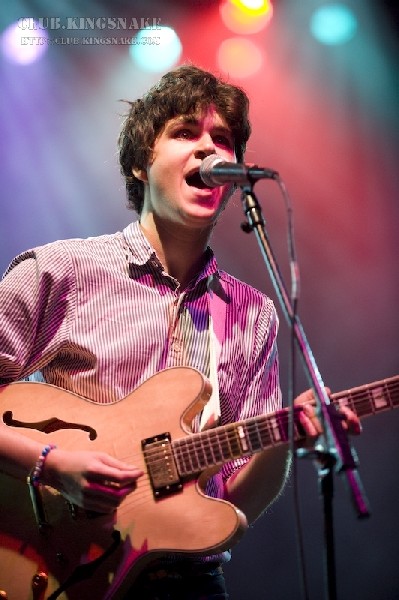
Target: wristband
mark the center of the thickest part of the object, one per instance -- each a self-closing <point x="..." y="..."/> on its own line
<point x="37" y="470"/>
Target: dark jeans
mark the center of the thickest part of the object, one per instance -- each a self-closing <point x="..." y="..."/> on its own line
<point x="205" y="582"/>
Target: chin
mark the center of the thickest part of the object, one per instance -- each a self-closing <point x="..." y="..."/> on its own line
<point x="200" y="220"/>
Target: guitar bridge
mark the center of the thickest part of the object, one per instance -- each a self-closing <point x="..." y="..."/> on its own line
<point x="161" y="465"/>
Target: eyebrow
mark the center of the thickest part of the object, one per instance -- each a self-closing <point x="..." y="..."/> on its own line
<point x="193" y="120"/>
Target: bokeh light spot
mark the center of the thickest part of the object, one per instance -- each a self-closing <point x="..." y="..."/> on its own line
<point x="156" y="49"/>
<point x="333" y="24"/>
<point x="239" y="57"/>
<point x="253" y="6"/>
<point x="23" y="46"/>
<point x="243" y="19"/>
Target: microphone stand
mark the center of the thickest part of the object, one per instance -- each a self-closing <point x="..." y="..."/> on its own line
<point x="333" y="448"/>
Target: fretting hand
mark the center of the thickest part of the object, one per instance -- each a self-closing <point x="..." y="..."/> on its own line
<point x="310" y="422"/>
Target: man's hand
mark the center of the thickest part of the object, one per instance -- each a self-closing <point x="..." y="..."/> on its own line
<point x="310" y="422"/>
<point x="94" y="481"/>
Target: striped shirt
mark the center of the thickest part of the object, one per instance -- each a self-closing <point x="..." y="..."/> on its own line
<point x="98" y="316"/>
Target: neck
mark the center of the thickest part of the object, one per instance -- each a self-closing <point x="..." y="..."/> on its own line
<point x="181" y="250"/>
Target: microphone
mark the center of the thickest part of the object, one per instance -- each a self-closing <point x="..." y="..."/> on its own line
<point x="214" y="171"/>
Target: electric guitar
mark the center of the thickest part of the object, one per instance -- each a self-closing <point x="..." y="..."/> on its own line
<point x="63" y="552"/>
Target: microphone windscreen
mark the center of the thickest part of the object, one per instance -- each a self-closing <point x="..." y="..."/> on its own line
<point x="206" y="169"/>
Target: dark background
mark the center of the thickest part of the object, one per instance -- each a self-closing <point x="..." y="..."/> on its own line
<point x="327" y="119"/>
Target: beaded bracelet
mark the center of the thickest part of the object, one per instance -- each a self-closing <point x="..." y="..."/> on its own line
<point x="37" y="470"/>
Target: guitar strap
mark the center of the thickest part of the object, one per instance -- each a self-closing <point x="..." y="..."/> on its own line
<point x="217" y="303"/>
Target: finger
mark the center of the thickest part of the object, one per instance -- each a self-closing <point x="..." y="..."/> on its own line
<point x="111" y="461"/>
<point x="308" y="397"/>
<point x="351" y="423"/>
<point x="118" y="490"/>
<point x="102" y="498"/>
<point x="309" y="421"/>
<point x="123" y="478"/>
<point x="111" y="482"/>
<point x="314" y="419"/>
<point x="114" y="470"/>
<point x="305" y="398"/>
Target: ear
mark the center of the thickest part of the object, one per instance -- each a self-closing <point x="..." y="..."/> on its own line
<point x="140" y="174"/>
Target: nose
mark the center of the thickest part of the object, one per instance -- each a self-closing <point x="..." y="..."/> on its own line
<point x="205" y="146"/>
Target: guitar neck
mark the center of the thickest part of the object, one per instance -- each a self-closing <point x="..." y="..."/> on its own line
<point x="370" y="399"/>
<point x="228" y="442"/>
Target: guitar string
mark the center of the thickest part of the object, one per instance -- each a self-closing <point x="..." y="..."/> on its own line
<point x="198" y="441"/>
<point x="208" y="451"/>
<point x="262" y="426"/>
<point x="210" y="441"/>
<point x="361" y="400"/>
<point x="206" y="441"/>
<point x="184" y="447"/>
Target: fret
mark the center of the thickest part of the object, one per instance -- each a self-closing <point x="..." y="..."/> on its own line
<point x="379" y="398"/>
<point x="266" y="432"/>
<point x="275" y="430"/>
<point x="278" y="426"/>
<point x="217" y="453"/>
<point x="370" y="399"/>
<point x="243" y="438"/>
<point x="220" y="437"/>
<point x="208" y="450"/>
<point x="234" y="442"/>
<point x="392" y="386"/>
<point x="183" y="459"/>
<point x="271" y="432"/>
<point x="187" y="456"/>
<point x="224" y="443"/>
<point x="194" y="455"/>
<point x="205" y="449"/>
<point x="221" y="444"/>
<point x="281" y="425"/>
<point x="201" y="452"/>
<point x="254" y="436"/>
<point x="358" y="401"/>
<point x="191" y="457"/>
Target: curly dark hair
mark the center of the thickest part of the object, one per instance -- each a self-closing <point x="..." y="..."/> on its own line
<point x="182" y="91"/>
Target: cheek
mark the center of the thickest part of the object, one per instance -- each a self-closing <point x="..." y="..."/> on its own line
<point x="162" y="182"/>
<point x="156" y="172"/>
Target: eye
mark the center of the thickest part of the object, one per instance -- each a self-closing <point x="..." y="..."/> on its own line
<point x="184" y="133"/>
<point x="223" y="140"/>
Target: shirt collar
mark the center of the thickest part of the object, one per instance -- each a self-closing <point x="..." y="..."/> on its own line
<point x="141" y="249"/>
<point x="142" y="252"/>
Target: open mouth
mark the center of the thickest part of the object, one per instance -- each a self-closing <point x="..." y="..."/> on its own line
<point x="194" y="180"/>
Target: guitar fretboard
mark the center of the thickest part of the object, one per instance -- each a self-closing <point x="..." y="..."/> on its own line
<point x="370" y="399"/>
<point x="216" y="446"/>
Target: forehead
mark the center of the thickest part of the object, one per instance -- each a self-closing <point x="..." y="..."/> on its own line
<point x="204" y="117"/>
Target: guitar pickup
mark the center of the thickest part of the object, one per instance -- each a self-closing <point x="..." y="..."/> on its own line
<point x="161" y="465"/>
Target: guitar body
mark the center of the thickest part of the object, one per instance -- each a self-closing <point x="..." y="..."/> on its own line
<point x="143" y="528"/>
